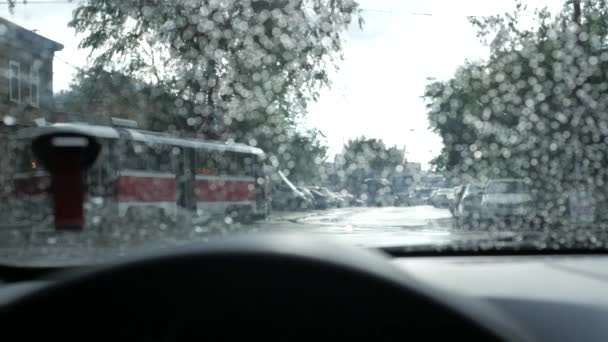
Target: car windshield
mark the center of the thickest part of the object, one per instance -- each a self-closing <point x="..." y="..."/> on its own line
<point x="129" y="125"/>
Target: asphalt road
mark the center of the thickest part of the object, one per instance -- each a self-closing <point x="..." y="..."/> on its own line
<point x="361" y="226"/>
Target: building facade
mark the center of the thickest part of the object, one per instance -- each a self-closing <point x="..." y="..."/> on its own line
<point x="26" y="69"/>
<point x="26" y="89"/>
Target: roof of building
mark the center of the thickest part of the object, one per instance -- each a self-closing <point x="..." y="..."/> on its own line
<point x="11" y="32"/>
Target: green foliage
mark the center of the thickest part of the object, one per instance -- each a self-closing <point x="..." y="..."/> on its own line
<point x="112" y="94"/>
<point x="253" y="61"/>
<point x="302" y="155"/>
<point x="440" y="162"/>
<point x="11" y="4"/>
<point x="537" y="108"/>
<point x="364" y="158"/>
<point x="245" y="67"/>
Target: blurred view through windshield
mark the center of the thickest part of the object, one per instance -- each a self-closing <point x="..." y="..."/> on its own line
<point x="378" y="123"/>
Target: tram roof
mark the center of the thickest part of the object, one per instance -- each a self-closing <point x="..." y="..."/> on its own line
<point x="109" y="132"/>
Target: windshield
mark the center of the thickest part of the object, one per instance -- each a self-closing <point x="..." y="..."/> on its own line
<point x="367" y="122"/>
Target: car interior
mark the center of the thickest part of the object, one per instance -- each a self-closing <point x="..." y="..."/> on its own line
<point x="255" y="66"/>
<point x="289" y="286"/>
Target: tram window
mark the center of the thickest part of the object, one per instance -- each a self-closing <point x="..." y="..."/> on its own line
<point x="152" y="158"/>
<point x="239" y="164"/>
<point x="160" y="158"/>
<point x="25" y="159"/>
<point x="102" y="174"/>
<point x="136" y="157"/>
<point x="233" y="164"/>
<point x="247" y="165"/>
<point x="222" y="161"/>
<point x="164" y="159"/>
<point x="207" y="162"/>
<point x="243" y="164"/>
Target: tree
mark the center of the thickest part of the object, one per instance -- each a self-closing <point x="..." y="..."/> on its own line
<point x="537" y="108"/>
<point x="364" y="158"/>
<point x="440" y="163"/>
<point x="252" y="63"/>
<point x="302" y="155"/>
<point x="249" y="67"/>
<point x="112" y="94"/>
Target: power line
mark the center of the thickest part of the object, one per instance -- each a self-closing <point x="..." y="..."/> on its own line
<point x="394" y="12"/>
<point x="41" y="2"/>
<point x="428" y="14"/>
<point x="68" y="63"/>
<point x="375" y="10"/>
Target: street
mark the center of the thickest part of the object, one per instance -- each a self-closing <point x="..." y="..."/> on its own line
<point x="379" y="227"/>
<point x="365" y="226"/>
<point x="360" y="226"/>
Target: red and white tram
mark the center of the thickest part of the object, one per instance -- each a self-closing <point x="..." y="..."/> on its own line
<point x="140" y="169"/>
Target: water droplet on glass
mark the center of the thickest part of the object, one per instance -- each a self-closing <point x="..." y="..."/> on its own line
<point x="96" y="220"/>
<point x="9" y="120"/>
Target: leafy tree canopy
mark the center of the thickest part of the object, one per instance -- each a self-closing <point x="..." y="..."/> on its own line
<point x="253" y="64"/>
<point x="364" y="158"/>
<point x="537" y="108"/>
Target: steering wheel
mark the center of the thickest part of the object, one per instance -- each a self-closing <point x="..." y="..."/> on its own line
<point x="267" y="287"/>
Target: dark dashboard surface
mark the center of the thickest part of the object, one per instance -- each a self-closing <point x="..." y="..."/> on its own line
<point x="551" y="298"/>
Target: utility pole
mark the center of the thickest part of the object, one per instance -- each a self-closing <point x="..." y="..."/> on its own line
<point x="576" y="16"/>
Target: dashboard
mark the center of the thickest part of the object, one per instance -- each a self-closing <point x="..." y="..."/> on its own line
<point x="553" y="298"/>
<point x="281" y="288"/>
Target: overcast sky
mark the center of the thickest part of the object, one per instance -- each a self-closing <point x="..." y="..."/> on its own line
<point x="377" y="92"/>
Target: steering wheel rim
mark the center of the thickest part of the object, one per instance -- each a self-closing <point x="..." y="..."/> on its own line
<point x="294" y="284"/>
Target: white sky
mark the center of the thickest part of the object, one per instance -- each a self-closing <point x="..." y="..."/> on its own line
<point x="377" y="91"/>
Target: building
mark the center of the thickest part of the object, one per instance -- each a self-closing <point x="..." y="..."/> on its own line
<point x="26" y="88"/>
<point x="26" y="74"/>
<point x="413" y="168"/>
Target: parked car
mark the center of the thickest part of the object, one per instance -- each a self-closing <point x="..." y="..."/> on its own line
<point x="406" y="198"/>
<point x="343" y="202"/>
<point x="285" y="196"/>
<point x="334" y="199"/>
<point x="322" y="201"/>
<point x="442" y="197"/>
<point x="309" y="196"/>
<point x="467" y="210"/>
<point x="421" y="196"/>
<point x="351" y="199"/>
<point x="507" y="199"/>
<point x="457" y="192"/>
<point x="402" y="187"/>
<point x="379" y="192"/>
<point x="330" y="199"/>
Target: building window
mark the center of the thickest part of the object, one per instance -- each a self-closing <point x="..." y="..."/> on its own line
<point x="34" y="86"/>
<point x="14" y="79"/>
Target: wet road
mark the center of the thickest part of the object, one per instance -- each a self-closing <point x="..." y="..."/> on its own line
<point x="361" y="226"/>
<point x="388" y="226"/>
